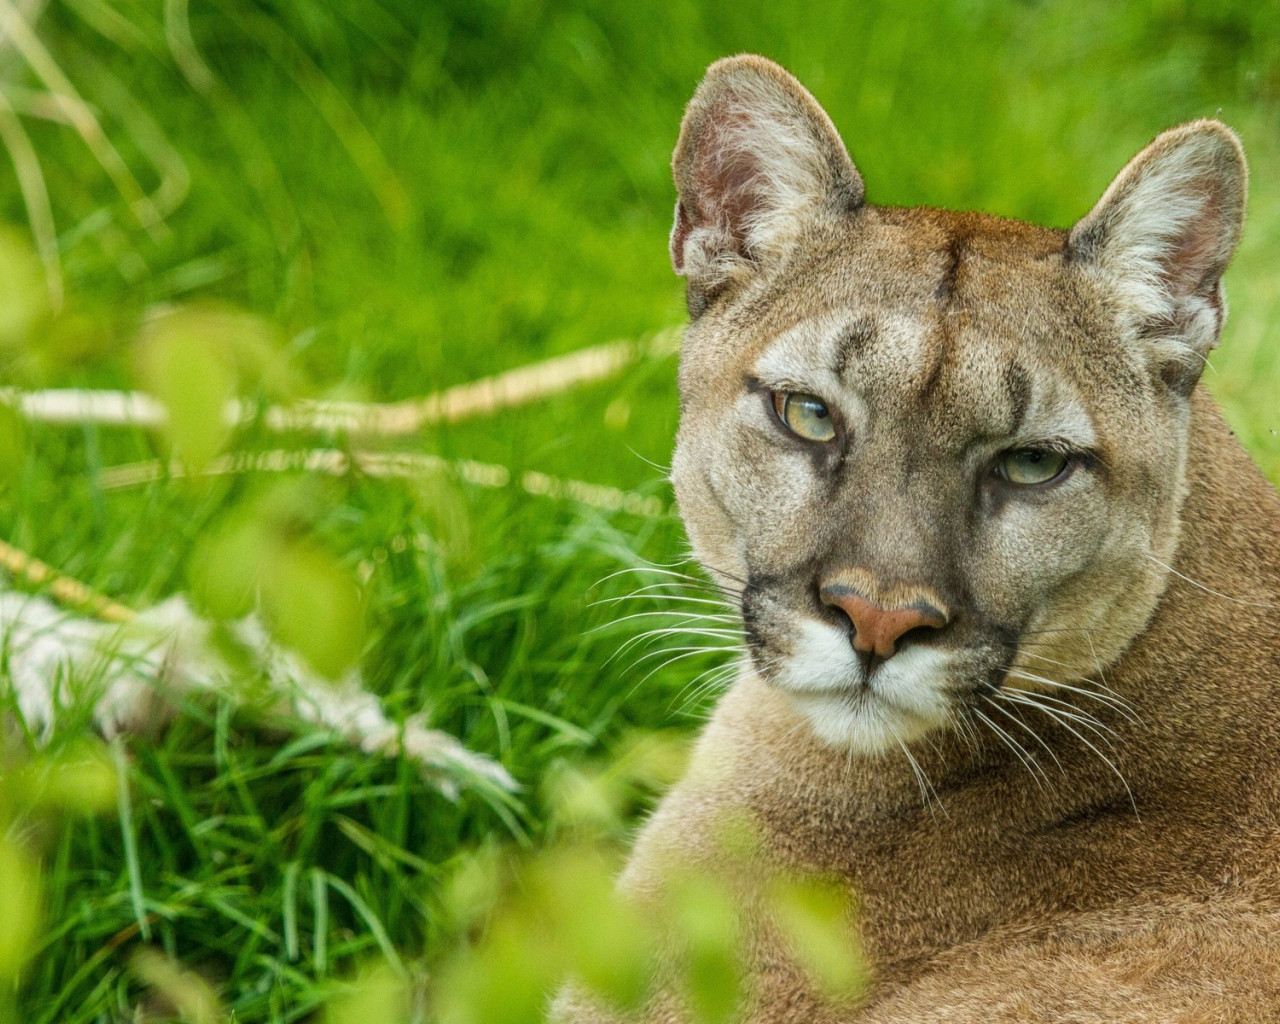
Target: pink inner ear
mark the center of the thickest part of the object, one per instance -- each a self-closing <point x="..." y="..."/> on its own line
<point x="679" y="236"/>
<point x="1196" y="255"/>
<point x="728" y="178"/>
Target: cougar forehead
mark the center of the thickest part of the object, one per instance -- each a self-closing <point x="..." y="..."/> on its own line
<point x="906" y="298"/>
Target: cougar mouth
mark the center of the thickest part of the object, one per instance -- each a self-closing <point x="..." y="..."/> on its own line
<point x="849" y="703"/>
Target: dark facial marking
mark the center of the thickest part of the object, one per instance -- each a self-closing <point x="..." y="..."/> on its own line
<point x="1179" y="376"/>
<point x="946" y="288"/>
<point x="753" y="596"/>
<point x="854" y="342"/>
<point x="1017" y="385"/>
<point x="934" y="375"/>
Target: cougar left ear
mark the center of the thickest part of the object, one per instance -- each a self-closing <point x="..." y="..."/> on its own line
<point x="1163" y="234"/>
<point x="756" y="155"/>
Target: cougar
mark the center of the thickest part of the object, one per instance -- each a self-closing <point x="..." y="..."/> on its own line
<point x="1008" y="587"/>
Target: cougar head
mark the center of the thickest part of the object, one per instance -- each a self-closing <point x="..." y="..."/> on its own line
<point x="929" y="454"/>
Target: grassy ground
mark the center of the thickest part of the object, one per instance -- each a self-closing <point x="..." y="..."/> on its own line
<point x="413" y="196"/>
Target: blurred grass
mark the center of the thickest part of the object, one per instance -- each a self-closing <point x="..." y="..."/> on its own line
<point x="418" y="195"/>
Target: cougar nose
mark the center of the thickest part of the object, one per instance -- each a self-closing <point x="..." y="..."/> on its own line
<point x="878" y="629"/>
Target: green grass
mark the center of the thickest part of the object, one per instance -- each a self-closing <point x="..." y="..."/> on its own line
<point x="415" y="196"/>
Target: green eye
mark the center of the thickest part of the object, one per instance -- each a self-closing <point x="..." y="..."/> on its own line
<point x="806" y="416"/>
<point x="1028" y="466"/>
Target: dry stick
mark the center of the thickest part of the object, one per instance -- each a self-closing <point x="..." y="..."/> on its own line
<point x="388" y="464"/>
<point x="61" y="587"/>
<point x="484" y="397"/>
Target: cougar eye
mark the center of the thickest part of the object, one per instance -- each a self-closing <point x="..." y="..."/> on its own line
<point x="804" y="415"/>
<point x="1029" y="466"/>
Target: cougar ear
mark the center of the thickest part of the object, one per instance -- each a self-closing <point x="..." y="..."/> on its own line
<point x="1164" y="233"/>
<point x="756" y="153"/>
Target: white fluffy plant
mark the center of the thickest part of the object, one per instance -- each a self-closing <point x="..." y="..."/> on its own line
<point x="130" y="677"/>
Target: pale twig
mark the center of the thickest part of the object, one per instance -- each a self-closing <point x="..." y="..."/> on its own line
<point x="485" y="397"/>
<point x="62" y="588"/>
<point x="333" y="462"/>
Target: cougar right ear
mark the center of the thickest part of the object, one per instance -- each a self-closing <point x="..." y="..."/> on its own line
<point x="756" y="153"/>
<point x="1163" y="234"/>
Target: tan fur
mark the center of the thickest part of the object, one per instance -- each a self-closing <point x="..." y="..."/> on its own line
<point x="1125" y="864"/>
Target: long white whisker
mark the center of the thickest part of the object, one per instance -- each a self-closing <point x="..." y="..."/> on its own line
<point x="1108" y="699"/>
<point x="654" y="634"/>
<point x="1100" y="755"/>
<point x="1103" y="676"/>
<point x="691" y="649"/>
<point x="1102" y="686"/>
<point x="656" y="570"/>
<point x="705" y="682"/>
<point x="675" y="582"/>
<point x="667" y="596"/>
<point x="1029" y="763"/>
<point x="1034" y="735"/>
<point x="686" y="614"/>
<point x="707" y="631"/>
<point x="685" y="653"/>
<point x="1096" y="726"/>
<point x="965" y="730"/>
<point x="1210" y="590"/>
<point x="928" y="795"/>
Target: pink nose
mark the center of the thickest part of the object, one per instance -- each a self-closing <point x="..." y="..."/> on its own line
<point x="878" y="629"/>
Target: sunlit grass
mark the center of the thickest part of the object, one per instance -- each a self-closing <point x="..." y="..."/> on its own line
<point x="413" y="196"/>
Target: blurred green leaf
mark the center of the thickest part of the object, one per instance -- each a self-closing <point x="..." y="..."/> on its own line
<point x="225" y="565"/>
<point x="13" y="445"/>
<point x="313" y="605"/>
<point x="473" y="890"/>
<point x="378" y="995"/>
<point x="815" y="916"/>
<point x="507" y="979"/>
<point x="264" y="556"/>
<point x="655" y="759"/>
<point x="705" y="913"/>
<point x="80" y="778"/>
<point x="24" y="299"/>
<point x="606" y="942"/>
<point x="185" y="360"/>
<point x="584" y="799"/>
<point x="196" y="358"/>
<point x="20" y="898"/>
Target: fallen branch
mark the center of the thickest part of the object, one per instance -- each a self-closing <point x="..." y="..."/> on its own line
<point x="333" y="462"/>
<point x="62" y="588"/>
<point x="485" y="397"/>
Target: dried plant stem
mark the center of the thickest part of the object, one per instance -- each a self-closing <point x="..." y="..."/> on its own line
<point x="62" y="588"/>
<point x="485" y="397"/>
<point x="334" y="462"/>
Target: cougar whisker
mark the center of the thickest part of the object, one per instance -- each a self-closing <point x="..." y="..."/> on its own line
<point x="1034" y="735"/>
<point x="1210" y="590"/>
<point x="1103" y="695"/>
<point x="1032" y="766"/>
<point x="928" y="794"/>
<point x="1049" y="712"/>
